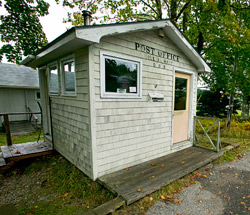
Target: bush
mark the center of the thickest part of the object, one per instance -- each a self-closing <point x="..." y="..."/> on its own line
<point x="214" y="103"/>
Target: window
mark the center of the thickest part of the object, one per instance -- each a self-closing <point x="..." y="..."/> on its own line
<point x="180" y="93"/>
<point x="53" y="79"/>
<point x="121" y="76"/>
<point x="68" y="76"/>
<point x="37" y="95"/>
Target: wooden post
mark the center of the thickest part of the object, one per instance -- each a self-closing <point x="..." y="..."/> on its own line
<point x="194" y="131"/>
<point x="218" y="137"/>
<point x="7" y="129"/>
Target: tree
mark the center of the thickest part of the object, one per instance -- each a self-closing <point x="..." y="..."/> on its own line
<point x="20" y="29"/>
<point x="213" y="103"/>
<point x="108" y="11"/>
<point x="218" y="29"/>
<point x="220" y="32"/>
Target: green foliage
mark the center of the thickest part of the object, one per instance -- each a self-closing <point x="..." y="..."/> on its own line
<point x="214" y="103"/>
<point x="109" y="11"/>
<point x="20" y="29"/>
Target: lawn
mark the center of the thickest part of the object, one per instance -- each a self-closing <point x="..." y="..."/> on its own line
<point x="52" y="185"/>
<point x="32" y="137"/>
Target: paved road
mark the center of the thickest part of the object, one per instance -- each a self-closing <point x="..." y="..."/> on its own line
<point x="225" y="191"/>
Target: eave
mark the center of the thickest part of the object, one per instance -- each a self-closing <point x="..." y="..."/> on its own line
<point x="78" y="37"/>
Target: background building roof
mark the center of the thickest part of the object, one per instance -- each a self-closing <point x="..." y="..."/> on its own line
<point x="14" y="76"/>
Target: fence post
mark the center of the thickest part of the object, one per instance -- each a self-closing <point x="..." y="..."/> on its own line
<point x="194" y="131"/>
<point x="7" y="129"/>
<point x="218" y="137"/>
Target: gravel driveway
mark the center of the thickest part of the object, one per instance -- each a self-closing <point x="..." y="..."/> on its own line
<point x="220" y="189"/>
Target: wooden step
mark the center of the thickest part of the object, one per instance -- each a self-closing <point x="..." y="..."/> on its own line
<point x="2" y="160"/>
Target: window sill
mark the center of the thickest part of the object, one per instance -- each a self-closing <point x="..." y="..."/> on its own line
<point x="120" y="96"/>
<point x="69" y="94"/>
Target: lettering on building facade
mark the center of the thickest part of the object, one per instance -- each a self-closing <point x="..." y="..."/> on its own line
<point x="157" y="55"/>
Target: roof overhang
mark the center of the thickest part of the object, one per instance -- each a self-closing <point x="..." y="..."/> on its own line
<point x="19" y="87"/>
<point x="78" y="37"/>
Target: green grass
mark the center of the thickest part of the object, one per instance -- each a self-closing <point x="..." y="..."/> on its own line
<point x="52" y="186"/>
<point x="21" y="139"/>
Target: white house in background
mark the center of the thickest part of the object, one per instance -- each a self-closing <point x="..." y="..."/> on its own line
<point x="19" y="88"/>
<point x="124" y="93"/>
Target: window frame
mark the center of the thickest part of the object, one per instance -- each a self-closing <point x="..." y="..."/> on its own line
<point x="62" y="61"/>
<point x="58" y="79"/>
<point x="115" y="56"/>
<point x="186" y="98"/>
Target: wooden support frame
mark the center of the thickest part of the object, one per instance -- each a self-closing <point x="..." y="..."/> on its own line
<point x="7" y="129"/>
<point x="216" y="146"/>
<point x="32" y="116"/>
<point x="7" y="123"/>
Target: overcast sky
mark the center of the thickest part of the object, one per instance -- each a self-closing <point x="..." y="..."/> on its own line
<point x="52" y="23"/>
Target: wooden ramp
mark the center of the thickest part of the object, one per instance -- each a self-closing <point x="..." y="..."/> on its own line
<point x="155" y="174"/>
<point x="25" y="150"/>
<point x="21" y="128"/>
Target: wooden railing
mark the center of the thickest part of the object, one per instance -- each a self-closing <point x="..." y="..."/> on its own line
<point x="216" y="145"/>
<point x="7" y="123"/>
<point x="32" y="116"/>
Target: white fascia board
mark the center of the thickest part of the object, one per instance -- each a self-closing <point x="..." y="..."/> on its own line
<point x="58" y="44"/>
<point x="95" y="34"/>
<point x="179" y="39"/>
<point x="26" y="60"/>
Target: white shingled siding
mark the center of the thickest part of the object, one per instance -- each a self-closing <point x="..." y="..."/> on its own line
<point x="130" y="131"/>
<point x="70" y="119"/>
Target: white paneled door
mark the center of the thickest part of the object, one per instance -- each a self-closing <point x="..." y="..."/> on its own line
<point x="181" y="107"/>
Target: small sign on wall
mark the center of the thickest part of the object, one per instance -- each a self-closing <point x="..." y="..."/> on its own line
<point x="132" y="89"/>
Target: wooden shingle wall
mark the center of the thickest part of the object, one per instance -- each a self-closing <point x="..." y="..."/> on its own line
<point x="70" y="119"/>
<point x="130" y="131"/>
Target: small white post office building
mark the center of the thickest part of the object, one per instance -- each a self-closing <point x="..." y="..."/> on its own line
<point x="117" y="95"/>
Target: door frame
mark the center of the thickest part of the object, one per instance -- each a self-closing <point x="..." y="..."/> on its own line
<point x="191" y="99"/>
<point x="43" y="82"/>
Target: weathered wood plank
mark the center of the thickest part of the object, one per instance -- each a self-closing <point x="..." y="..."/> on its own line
<point x="176" y="165"/>
<point x="24" y="150"/>
<point x="6" y="152"/>
<point x="2" y="160"/>
<point x="170" y="161"/>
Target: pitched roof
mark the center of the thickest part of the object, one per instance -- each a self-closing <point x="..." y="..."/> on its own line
<point x="78" y="37"/>
<point x="14" y="76"/>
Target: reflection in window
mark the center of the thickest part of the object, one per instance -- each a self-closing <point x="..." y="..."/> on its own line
<point x="53" y="79"/>
<point x="69" y="75"/>
<point x="180" y="93"/>
<point x="121" y="76"/>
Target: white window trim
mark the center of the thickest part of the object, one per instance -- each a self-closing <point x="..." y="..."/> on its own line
<point x="63" y="60"/>
<point x="48" y="68"/>
<point x="105" y="94"/>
